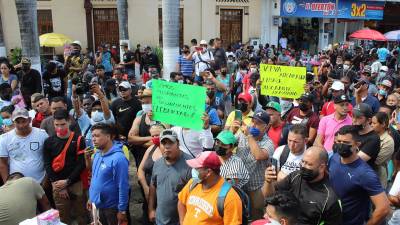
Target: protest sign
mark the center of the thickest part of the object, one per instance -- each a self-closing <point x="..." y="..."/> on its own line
<point x="178" y="104"/>
<point x="282" y="81"/>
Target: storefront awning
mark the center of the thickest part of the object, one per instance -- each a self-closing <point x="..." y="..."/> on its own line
<point x="347" y="9"/>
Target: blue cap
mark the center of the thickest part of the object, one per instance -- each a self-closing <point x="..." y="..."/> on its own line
<point x="261" y="115"/>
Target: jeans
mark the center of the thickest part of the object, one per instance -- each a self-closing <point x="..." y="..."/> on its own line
<point x="108" y="216"/>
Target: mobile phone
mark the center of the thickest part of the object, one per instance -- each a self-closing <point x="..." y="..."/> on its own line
<point x="238" y="115"/>
<point x="274" y="163"/>
<point x="198" y="49"/>
<point x="358" y="85"/>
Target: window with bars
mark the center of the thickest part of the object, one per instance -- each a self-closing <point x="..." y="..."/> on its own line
<point x="160" y="28"/>
<point x="45" y="25"/>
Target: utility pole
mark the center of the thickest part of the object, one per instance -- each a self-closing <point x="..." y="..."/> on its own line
<point x="336" y="23"/>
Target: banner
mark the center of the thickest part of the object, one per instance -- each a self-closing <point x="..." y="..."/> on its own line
<point x="347" y="9"/>
<point x="178" y="104"/>
<point x="282" y="81"/>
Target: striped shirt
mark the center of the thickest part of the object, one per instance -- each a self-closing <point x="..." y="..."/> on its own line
<point x="186" y="66"/>
<point x="234" y="168"/>
<point x="256" y="168"/>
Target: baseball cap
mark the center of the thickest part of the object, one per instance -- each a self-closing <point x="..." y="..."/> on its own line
<point x="362" y="109"/>
<point x="363" y="79"/>
<point x="76" y="42"/>
<point x="124" y="44"/>
<point x="125" y="84"/>
<point x="246" y="97"/>
<point x="337" y="85"/>
<point x="386" y="83"/>
<point x="275" y="106"/>
<point x="307" y="97"/>
<point x="203" y="42"/>
<point x="340" y="98"/>
<point x="168" y="134"/>
<point x="20" y="113"/>
<point x="367" y="69"/>
<point x="226" y="137"/>
<point x="207" y="159"/>
<point x="261" y="115"/>
<point x="384" y="68"/>
<point x="25" y="60"/>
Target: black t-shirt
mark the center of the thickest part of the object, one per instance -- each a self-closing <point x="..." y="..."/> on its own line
<point x="74" y="163"/>
<point x="127" y="57"/>
<point x="54" y="83"/>
<point x="124" y="113"/>
<point x="370" y="145"/>
<point x="318" y="201"/>
<point x="31" y="82"/>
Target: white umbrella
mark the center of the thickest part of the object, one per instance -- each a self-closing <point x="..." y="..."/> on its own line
<point x="393" y="35"/>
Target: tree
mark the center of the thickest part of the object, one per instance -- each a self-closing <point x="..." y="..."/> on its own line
<point x="170" y="29"/>
<point x="27" y="18"/>
<point x="3" y="52"/>
<point x="122" y="7"/>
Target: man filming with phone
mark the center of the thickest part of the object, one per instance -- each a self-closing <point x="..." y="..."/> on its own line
<point x="362" y="96"/>
<point x="310" y="185"/>
<point x="203" y="59"/>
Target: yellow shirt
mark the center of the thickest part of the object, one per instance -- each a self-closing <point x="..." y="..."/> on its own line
<point x="201" y="206"/>
<point x="245" y="118"/>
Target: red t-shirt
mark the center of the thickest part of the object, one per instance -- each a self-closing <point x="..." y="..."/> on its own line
<point x="39" y="117"/>
<point x="328" y="108"/>
<point x="246" y="82"/>
<point x="311" y="120"/>
<point x="275" y="134"/>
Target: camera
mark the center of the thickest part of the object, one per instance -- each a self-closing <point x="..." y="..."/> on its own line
<point x="82" y="83"/>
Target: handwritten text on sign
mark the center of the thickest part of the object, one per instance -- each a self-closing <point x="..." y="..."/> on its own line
<point x="178" y="104"/>
<point x="282" y="81"/>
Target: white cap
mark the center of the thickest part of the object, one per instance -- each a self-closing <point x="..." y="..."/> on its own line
<point x="384" y="68"/>
<point x="203" y="42"/>
<point x="337" y="86"/>
<point x="77" y="43"/>
<point x="387" y="83"/>
<point x="125" y="84"/>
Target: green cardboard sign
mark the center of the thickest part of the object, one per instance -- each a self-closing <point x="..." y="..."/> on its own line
<point x="178" y="104"/>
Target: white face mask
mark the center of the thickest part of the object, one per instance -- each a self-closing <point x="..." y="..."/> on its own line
<point x="180" y="81"/>
<point x="273" y="222"/>
<point x="146" y="108"/>
<point x="97" y="117"/>
<point x="346" y="67"/>
<point x="253" y="70"/>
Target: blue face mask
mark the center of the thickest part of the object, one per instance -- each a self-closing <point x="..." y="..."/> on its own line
<point x="7" y="122"/>
<point x="195" y="176"/>
<point x="382" y="92"/>
<point x="255" y="132"/>
<point x="97" y="117"/>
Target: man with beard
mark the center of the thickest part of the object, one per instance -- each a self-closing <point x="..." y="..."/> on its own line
<point x="355" y="183"/>
<point x="170" y="175"/>
<point x="310" y="185"/>
<point x="31" y="81"/>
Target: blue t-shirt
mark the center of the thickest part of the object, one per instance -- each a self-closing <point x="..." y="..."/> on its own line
<point x="186" y="66"/>
<point x="354" y="184"/>
<point x="382" y="54"/>
<point x="370" y="100"/>
<point x="213" y="114"/>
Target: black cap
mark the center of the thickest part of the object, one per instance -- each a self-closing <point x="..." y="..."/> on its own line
<point x="340" y="99"/>
<point x="362" y="109"/>
<point x="307" y="97"/>
<point x="261" y="115"/>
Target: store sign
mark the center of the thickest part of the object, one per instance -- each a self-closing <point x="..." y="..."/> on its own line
<point x="347" y="9"/>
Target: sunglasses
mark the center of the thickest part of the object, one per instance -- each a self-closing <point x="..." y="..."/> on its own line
<point x="122" y="89"/>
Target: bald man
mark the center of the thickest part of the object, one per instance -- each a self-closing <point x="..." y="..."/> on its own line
<point x="310" y="185"/>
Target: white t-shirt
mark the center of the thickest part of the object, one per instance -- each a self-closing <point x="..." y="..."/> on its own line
<point x="193" y="142"/>
<point x="395" y="190"/>
<point x="25" y="154"/>
<point x="293" y="162"/>
<point x="200" y="66"/>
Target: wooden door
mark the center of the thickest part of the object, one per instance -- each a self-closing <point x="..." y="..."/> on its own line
<point x="106" y="29"/>
<point x="231" y="26"/>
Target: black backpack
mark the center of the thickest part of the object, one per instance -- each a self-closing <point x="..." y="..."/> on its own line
<point x="284" y="156"/>
<point x="221" y="200"/>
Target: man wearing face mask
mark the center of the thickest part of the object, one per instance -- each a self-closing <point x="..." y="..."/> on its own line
<point x="149" y="58"/>
<point x="64" y="162"/>
<point x="139" y="134"/>
<point x="369" y="140"/>
<point x="124" y="107"/>
<point x="30" y="81"/>
<point x="185" y="66"/>
<point x="170" y="175"/>
<point x="362" y="96"/>
<point x="254" y="148"/>
<point x="304" y="115"/>
<point x="337" y="89"/>
<point x="355" y="183"/>
<point x="384" y="90"/>
<point x="310" y="185"/>
<point x="100" y="113"/>
<point x="242" y="114"/>
<point x="197" y="200"/>
<point x="215" y="93"/>
<point x="232" y="169"/>
<point x="203" y="59"/>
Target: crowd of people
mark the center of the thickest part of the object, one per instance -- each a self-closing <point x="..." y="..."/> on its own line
<point x="329" y="157"/>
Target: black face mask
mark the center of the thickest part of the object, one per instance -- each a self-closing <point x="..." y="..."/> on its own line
<point x="344" y="150"/>
<point x="242" y="106"/>
<point x="308" y="174"/>
<point x="221" y="151"/>
<point x="358" y="127"/>
<point x="223" y="73"/>
<point x="211" y="94"/>
<point x="303" y="107"/>
<point x="26" y="67"/>
<point x="6" y="96"/>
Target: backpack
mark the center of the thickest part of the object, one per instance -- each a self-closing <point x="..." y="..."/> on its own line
<point x="202" y="61"/>
<point x="284" y="156"/>
<point x="244" y="198"/>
